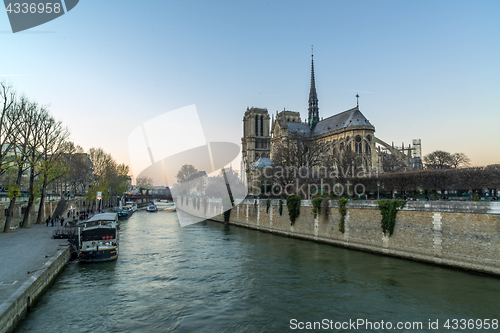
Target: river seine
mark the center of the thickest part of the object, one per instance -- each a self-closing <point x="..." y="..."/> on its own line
<point x="210" y="277"/>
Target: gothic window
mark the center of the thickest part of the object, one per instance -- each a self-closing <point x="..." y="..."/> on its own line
<point x="358" y="145"/>
<point x="261" y="126"/>
<point x="348" y="144"/>
<point x="367" y="144"/>
<point x="256" y="125"/>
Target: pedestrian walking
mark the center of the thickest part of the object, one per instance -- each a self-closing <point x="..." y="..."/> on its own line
<point x="62" y="221"/>
<point x="52" y="221"/>
<point x="47" y="221"/>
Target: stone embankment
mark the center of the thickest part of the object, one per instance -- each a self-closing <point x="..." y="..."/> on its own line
<point x="31" y="260"/>
<point x="464" y="235"/>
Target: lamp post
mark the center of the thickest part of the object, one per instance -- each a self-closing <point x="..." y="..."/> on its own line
<point x="378" y="190"/>
<point x="98" y="197"/>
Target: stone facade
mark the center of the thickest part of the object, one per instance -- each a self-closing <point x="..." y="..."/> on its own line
<point x="256" y="141"/>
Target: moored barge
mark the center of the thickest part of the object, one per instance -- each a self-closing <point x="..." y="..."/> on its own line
<point x="97" y="239"/>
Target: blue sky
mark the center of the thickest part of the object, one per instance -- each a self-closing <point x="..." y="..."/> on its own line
<point x="423" y="69"/>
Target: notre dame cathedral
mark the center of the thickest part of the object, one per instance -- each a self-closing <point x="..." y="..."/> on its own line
<point x="347" y="130"/>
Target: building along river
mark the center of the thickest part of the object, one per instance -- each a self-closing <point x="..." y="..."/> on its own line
<point x="211" y="277"/>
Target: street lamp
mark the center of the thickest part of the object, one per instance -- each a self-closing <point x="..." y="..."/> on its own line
<point x="378" y="190"/>
<point x="98" y="197"/>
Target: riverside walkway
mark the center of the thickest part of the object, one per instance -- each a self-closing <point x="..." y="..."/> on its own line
<point x="22" y="253"/>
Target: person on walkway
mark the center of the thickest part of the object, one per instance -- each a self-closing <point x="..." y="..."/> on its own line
<point x="52" y="221"/>
<point x="62" y="221"/>
<point x="47" y="221"/>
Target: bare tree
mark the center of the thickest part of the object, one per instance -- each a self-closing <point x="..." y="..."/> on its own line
<point x="298" y="162"/>
<point x="144" y="182"/>
<point x="8" y="121"/>
<point x="80" y="172"/>
<point x="33" y="157"/>
<point x="459" y="159"/>
<point x="25" y="127"/>
<point x="79" y="168"/>
<point x="438" y="160"/>
<point x="390" y="163"/>
<point x="346" y="164"/>
<point x="187" y="173"/>
<point x="52" y="147"/>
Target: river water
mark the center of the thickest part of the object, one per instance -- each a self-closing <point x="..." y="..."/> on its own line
<point x="210" y="277"/>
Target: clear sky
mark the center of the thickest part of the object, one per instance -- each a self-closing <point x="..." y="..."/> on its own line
<point x="423" y="69"/>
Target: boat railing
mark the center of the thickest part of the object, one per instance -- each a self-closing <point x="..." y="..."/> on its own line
<point x="64" y="231"/>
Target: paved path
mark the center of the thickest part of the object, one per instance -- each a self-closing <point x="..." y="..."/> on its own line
<point x="24" y="250"/>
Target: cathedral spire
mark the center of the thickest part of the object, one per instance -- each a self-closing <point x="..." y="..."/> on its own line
<point x="313" y="118"/>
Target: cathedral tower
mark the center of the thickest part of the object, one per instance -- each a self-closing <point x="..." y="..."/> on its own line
<point x="256" y="141"/>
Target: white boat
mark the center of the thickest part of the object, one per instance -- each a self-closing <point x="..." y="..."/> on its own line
<point x="152" y="208"/>
<point x="132" y="205"/>
<point x="165" y="203"/>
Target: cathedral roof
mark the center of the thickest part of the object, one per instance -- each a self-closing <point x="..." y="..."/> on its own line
<point x="349" y="118"/>
<point x="296" y="127"/>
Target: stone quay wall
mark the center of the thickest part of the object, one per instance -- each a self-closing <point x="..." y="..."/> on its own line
<point x="464" y="235"/>
<point x="48" y="209"/>
<point x="13" y="310"/>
